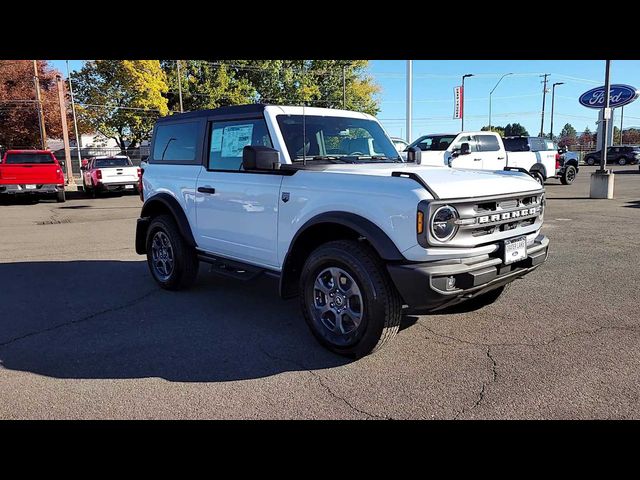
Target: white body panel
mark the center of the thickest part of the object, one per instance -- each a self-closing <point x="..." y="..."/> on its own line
<point x="246" y="218"/>
<point x="110" y="175"/>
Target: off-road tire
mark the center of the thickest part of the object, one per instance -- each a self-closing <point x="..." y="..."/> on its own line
<point x="185" y="260"/>
<point x="569" y="175"/>
<point x="381" y="303"/>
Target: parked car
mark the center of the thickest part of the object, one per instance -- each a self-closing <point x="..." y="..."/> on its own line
<point x="320" y="199"/>
<point x="109" y="174"/>
<point x="487" y="151"/>
<point x="621" y="155"/>
<point x="400" y="144"/>
<point x="32" y="172"/>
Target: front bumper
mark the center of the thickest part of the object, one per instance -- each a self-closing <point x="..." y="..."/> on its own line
<point x="439" y="284"/>
<point x="22" y="189"/>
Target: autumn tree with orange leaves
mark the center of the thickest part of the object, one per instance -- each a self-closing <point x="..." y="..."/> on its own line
<point x="18" y="107"/>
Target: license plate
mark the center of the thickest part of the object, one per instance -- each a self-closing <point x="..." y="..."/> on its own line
<point x="128" y="186"/>
<point x="30" y="187"/>
<point x="515" y="250"/>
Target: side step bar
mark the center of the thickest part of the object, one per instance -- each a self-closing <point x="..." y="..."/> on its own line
<point x="233" y="268"/>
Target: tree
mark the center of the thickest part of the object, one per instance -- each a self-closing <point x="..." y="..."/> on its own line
<point x="205" y="85"/>
<point x="631" y="136"/>
<point x="616" y="136"/>
<point x="18" y="110"/>
<point x="121" y="99"/>
<point x="498" y="130"/>
<point x="587" y="139"/>
<point x="568" y="136"/>
<point x="514" y="130"/>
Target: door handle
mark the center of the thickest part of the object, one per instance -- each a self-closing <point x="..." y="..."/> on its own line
<point x="477" y="159"/>
<point x="500" y="158"/>
<point x="206" y="190"/>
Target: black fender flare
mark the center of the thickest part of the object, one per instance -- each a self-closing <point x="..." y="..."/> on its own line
<point x="162" y="202"/>
<point x="378" y="239"/>
<point x="538" y="167"/>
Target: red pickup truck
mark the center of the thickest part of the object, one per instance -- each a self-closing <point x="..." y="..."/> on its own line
<point x="31" y="172"/>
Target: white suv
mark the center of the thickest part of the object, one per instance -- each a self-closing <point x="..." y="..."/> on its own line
<point x="320" y="199"/>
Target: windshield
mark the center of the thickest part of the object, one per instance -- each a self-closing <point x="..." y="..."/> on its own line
<point x="433" y="142"/>
<point x="336" y="139"/>
<point x="22" y="158"/>
<point x="112" y="162"/>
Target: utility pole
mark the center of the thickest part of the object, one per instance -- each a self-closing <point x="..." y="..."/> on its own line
<point x="75" y="122"/>
<point x="179" y="85"/>
<point x="621" y="120"/>
<point x="544" y="98"/>
<point x="462" y="101"/>
<point x="344" y="87"/>
<point x="553" y="98"/>
<point x="43" y="132"/>
<point x="409" y="98"/>
<point x="65" y="134"/>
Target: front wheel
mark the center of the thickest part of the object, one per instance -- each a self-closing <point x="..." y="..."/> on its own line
<point x="173" y="263"/>
<point x="569" y="175"/>
<point x="590" y="161"/>
<point x="348" y="299"/>
<point x="622" y="161"/>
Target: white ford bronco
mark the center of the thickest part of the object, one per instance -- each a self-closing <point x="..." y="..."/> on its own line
<point x="321" y="199"/>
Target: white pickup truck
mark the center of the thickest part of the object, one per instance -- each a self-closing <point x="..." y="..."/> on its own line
<point x="321" y="200"/>
<point x="488" y="151"/>
<point x="109" y="174"/>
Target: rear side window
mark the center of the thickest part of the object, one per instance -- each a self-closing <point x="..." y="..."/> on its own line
<point x="516" y="144"/>
<point x="176" y="142"/>
<point x="29" y="158"/>
<point x="488" y="143"/>
<point x="537" y="144"/>
<point x="470" y="139"/>
<point x="228" y="139"/>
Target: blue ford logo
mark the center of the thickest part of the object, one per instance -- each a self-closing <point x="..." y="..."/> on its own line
<point x="619" y="95"/>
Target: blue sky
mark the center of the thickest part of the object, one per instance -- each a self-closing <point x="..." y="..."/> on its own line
<point x="518" y="98"/>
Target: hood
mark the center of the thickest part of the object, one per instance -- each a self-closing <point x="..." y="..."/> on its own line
<point x="449" y="182"/>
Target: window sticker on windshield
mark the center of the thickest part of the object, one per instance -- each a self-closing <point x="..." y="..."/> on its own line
<point x="216" y="140"/>
<point x="235" y="138"/>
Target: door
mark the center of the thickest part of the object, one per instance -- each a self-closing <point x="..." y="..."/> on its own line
<point x="493" y="156"/>
<point x="473" y="159"/>
<point x="237" y="211"/>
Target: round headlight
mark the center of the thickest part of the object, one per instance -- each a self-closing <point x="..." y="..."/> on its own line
<point x="443" y="225"/>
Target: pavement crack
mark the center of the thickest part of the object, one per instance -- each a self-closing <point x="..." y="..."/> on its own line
<point x="80" y="320"/>
<point x="483" y="388"/>
<point x="529" y="344"/>
<point x="321" y="381"/>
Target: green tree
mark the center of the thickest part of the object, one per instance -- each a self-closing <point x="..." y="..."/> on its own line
<point x="121" y="99"/>
<point x="498" y="130"/>
<point x="205" y="85"/>
<point x="568" y="136"/>
<point x="514" y="130"/>
<point x="586" y="139"/>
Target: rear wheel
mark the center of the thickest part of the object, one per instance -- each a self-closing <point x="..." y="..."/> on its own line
<point x="61" y="196"/>
<point x="173" y="263"/>
<point x="590" y="160"/>
<point x="348" y="300"/>
<point x="569" y="175"/>
<point x="622" y="161"/>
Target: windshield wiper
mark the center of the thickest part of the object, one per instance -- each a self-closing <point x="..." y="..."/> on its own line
<point x="328" y="158"/>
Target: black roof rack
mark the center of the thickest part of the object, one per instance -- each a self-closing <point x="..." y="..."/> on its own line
<point x="228" y="110"/>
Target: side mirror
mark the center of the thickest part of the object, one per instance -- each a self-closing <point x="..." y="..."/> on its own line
<point x="465" y="149"/>
<point x="414" y="155"/>
<point x="260" y="158"/>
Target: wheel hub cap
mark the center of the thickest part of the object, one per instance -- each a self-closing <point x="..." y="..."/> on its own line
<point x="338" y="304"/>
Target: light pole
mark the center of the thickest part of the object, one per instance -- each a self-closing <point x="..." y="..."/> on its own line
<point x="409" y="98"/>
<point x="462" y="100"/>
<point x="553" y="97"/>
<point x="73" y="111"/>
<point x="491" y="93"/>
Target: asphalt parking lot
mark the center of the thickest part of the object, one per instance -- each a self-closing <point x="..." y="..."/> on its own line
<point x="86" y="333"/>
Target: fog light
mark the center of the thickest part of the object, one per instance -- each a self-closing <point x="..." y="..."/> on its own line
<point x="451" y="283"/>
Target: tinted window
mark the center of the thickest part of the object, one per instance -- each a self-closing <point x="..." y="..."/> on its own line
<point x="227" y="139"/>
<point x="471" y="140"/>
<point x="516" y="144"/>
<point x="176" y="142"/>
<point x="537" y="144"/>
<point x="112" y="162"/>
<point x="488" y="143"/>
<point x="433" y="142"/>
<point x="21" y="158"/>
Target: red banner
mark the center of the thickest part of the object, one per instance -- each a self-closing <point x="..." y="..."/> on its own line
<point x="458" y="94"/>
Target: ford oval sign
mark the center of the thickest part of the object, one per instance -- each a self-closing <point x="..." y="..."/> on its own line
<point x="619" y="95"/>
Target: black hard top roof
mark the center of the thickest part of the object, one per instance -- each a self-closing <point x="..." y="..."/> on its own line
<point x="229" y="110"/>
